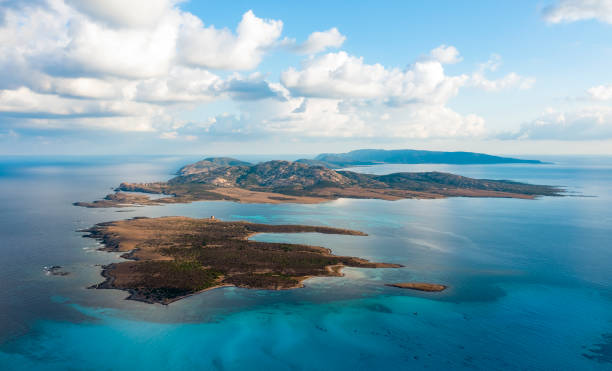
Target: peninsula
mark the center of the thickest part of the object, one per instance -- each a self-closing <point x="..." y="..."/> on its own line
<point x="297" y="182"/>
<point x="170" y="258"/>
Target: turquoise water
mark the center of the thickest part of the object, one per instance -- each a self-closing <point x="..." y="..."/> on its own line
<point x="530" y="282"/>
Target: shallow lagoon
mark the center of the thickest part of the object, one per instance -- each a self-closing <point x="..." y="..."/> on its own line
<point x="530" y="281"/>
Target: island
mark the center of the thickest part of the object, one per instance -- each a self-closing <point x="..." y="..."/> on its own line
<point x="409" y="156"/>
<point x="170" y="258"/>
<point x="419" y="286"/>
<point x="297" y="182"/>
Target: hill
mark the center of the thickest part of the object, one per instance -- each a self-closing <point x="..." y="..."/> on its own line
<point x="210" y="163"/>
<point x="298" y="182"/>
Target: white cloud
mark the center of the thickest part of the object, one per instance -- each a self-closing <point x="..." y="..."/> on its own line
<point x="601" y="92"/>
<point x="81" y="62"/>
<point x="133" y="13"/>
<point x="79" y="87"/>
<point x="320" y="41"/>
<point x="181" y="84"/>
<point x="169" y="135"/>
<point x="510" y="80"/>
<point x="237" y="127"/>
<point x="317" y="117"/>
<point x="434" y="121"/>
<point x="69" y="64"/>
<point x="338" y="118"/>
<point x="492" y="64"/>
<point x="24" y="100"/>
<point x="55" y="39"/>
<point x="346" y="97"/>
<point x="340" y="75"/>
<point x="446" y="54"/>
<point x="119" y="123"/>
<point x="578" y="10"/>
<point x="334" y="118"/>
<point x="209" y="47"/>
<point x="589" y="123"/>
<point x="133" y="53"/>
<point x="53" y="111"/>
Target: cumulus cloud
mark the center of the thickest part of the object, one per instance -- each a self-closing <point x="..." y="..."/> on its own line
<point x="54" y="111"/>
<point x="239" y="127"/>
<point x="435" y="121"/>
<point x="578" y="10"/>
<point x="120" y="13"/>
<point x="96" y="50"/>
<point x="510" y="80"/>
<point x="209" y="47"/>
<point x="590" y="123"/>
<point x="24" y="101"/>
<point x="92" y="59"/>
<point x="91" y="64"/>
<point x="181" y="84"/>
<point x="340" y="75"/>
<point x="320" y="41"/>
<point x="601" y="92"/>
<point x="340" y="95"/>
<point x="446" y="54"/>
<point x="317" y="117"/>
<point x="335" y="118"/>
<point x="340" y="118"/>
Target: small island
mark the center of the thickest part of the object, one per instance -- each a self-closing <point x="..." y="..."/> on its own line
<point x="170" y="258"/>
<point x="419" y="286"/>
<point x="296" y="182"/>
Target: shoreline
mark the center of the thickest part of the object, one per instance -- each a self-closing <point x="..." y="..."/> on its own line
<point x="243" y="196"/>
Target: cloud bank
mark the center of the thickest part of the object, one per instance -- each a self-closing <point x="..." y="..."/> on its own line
<point x="565" y="11"/>
<point x="112" y="65"/>
<point x="588" y="123"/>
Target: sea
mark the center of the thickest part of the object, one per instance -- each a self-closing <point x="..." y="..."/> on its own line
<point x="529" y="281"/>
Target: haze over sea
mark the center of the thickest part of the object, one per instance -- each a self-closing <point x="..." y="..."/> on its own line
<point x="530" y="281"/>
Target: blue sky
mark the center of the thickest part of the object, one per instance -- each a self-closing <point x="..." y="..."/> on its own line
<point x="157" y="76"/>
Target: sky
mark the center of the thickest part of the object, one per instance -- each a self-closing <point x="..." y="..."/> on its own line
<point x="93" y="77"/>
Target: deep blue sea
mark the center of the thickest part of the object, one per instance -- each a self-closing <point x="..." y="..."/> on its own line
<point x="530" y="281"/>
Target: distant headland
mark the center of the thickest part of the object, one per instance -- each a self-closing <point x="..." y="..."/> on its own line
<point x="409" y="156"/>
<point x="299" y="182"/>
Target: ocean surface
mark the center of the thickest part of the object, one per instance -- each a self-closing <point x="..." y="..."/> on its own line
<point x="530" y="281"/>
